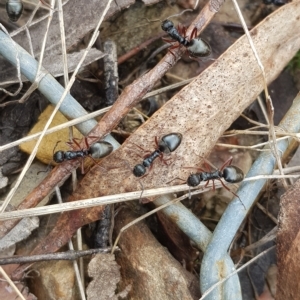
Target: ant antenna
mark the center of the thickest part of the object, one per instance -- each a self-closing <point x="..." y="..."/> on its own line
<point x="175" y="179"/>
<point x="207" y="161"/>
<point x="152" y="21"/>
<point x="190" y="196"/>
<point x="177" y="15"/>
<point x="48" y="168"/>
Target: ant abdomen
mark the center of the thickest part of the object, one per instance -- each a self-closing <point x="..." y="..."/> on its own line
<point x="14" y="9"/>
<point x="233" y="174"/>
<point x="100" y="149"/>
<point x="139" y="170"/>
<point x="199" y="48"/>
<point x="193" y="180"/>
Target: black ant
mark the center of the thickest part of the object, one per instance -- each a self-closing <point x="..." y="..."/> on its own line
<point x="275" y="2"/>
<point x="229" y="173"/>
<point x="95" y="151"/>
<point x="196" y="47"/>
<point x="167" y="144"/>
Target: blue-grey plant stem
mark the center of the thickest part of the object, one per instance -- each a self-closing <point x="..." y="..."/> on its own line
<point x="216" y="252"/>
<point x="201" y="236"/>
<point x="48" y="85"/>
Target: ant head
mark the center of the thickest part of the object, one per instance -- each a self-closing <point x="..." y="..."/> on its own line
<point x="193" y="180"/>
<point x="139" y="170"/>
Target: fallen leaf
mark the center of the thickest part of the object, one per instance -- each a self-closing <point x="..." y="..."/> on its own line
<point x="46" y="149"/>
<point x="19" y="233"/>
<point x="6" y="291"/>
<point x="149" y="267"/>
<point x="288" y="243"/>
<point x="106" y="275"/>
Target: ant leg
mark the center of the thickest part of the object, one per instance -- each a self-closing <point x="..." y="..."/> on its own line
<point x="77" y="142"/>
<point x="214" y="188"/>
<point x="143" y="149"/>
<point x="207" y="163"/>
<point x="96" y="163"/>
<point x="172" y="54"/>
<point x="82" y="167"/>
<point x="184" y="31"/>
<point x="168" y="41"/>
<point x="226" y="163"/>
<point x="228" y="189"/>
<point x="93" y="138"/>
<point x="71" y="144"/>
<point x="207" y="166"/>
<point x="86" y="143"/>
<point x="146" y="155"/>
<point x="180" y="29"/>
<point x="173" y="47"/>
<point x="193" y="34"/>
<point x="162" y="159"/>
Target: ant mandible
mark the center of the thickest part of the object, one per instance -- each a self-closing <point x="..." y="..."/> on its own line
<point x="167" y="144"/>
<point x="95" y="151"/>
<point x="196" y="47"/>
